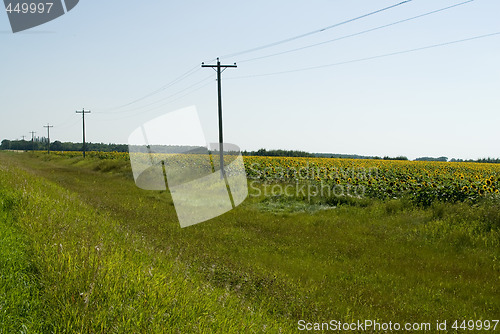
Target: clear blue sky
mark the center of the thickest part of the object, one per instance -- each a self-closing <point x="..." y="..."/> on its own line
<point x="442" y="101"/>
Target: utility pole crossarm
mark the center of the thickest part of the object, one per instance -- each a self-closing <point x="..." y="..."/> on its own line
<point x="203" y="65"/>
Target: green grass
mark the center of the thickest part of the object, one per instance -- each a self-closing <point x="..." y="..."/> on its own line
<point x="97" y="276"/>
<point x="105" y="256"/>
<point x="19" y="291"/>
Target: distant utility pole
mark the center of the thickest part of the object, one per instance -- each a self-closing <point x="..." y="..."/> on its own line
<point x="48" y="126"/>
<point x="83" y="112"/>
<point x="32" y="140"/>
<point x="23" y="137"/>
<point x="218" y="67"/>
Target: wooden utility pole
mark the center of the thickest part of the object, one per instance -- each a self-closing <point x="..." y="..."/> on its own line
<point x="218" y="67"/>
<point x="83" y="112"/>
<point x="32" y="140"/>
<point x="48" y="126"/>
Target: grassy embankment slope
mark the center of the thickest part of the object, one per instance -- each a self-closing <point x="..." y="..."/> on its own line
<point x="97" y="254"/>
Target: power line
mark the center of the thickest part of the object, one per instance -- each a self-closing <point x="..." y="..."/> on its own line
<point x="314" y="31"/>
<point x="358" y="33"/>
<point x="196" y="68"/>
<point x="370" y="58"/>
<point x="160" y="100"/>
<point x="69" y="122"/>
<point x="48" y="126"/>
<point x="66" y="124"/>
<point x="173" y="82"/>
<point x="164" y="104"/>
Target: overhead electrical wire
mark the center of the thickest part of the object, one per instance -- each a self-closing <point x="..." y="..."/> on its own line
<point x="358" y="33"/>
<point x="313" y="32"/>
<point x="69" y="120"/>
<point x="165" y="104"/>
<point x="197" y="67"/>
<point x="368" y="58"/>
<point x="171" y="83"/>
<point x="157" y="101"/>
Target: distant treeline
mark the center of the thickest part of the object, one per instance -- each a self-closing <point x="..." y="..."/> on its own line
<point x="355" y="156"/>
<point x="344" y="156"/>
<point x="483" y="160"/>
<point x="41" y="144"/>
<point x="432" y="159"/>
<point x="291" y="153"/>
<point x="278" y="153"/>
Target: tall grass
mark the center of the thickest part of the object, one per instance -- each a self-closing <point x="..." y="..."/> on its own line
<point x="20" y="302"/>
<point x="110" y="257"/>
<point x="79" y="271"/>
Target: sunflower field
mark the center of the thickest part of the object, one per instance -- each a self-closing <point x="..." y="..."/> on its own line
<point x="423" y="182"/>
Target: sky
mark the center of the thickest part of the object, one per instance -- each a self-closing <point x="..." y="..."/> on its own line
<point x="120" y="60"/>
